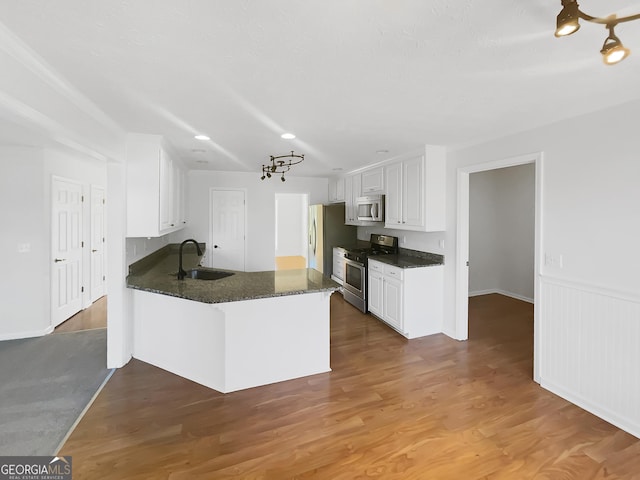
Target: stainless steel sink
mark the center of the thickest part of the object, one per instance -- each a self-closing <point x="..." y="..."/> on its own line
<point x="204" y="274"/>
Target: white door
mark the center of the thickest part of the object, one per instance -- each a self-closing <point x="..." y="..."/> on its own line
<point x="226" y="236"/>
<point x="66" y="254"/>
<point x="97" y="242"/>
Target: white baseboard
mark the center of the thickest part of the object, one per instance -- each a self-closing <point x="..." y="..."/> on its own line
<point x="31" y="334"/>
<point x="599" y="411"/>
<point x="501" y="292"/>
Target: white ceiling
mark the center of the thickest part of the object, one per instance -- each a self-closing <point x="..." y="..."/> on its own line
<point x="348" y="77"/>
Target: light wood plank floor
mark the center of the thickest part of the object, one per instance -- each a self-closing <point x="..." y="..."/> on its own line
<point x="430" y="408"/>
<point x="95" y="316"/>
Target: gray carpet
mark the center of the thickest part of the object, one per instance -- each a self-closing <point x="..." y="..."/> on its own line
<point x="45" y="384"/>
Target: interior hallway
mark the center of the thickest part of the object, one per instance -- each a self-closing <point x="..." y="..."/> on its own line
<point x="429" y="408"/>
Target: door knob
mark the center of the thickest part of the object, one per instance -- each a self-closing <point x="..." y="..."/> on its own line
<point x="59" y="260"/>
<point x="216" y="246"/>
<point x="94" y="251"/>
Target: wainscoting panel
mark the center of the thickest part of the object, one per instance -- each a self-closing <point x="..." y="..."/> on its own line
<point x="590" y="344"/>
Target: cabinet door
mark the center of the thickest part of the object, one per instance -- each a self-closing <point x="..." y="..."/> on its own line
<point x="353" y="187"/>
<point x="412" y="192"/>
<point x="167" y="187"/>
<point x="338" y="264"/>
<point x="373" y="181"/>
<point x="179" y="195"/>
<point x="392" y="302"/>
<point x="336" y="190"/>
<point x="340" y="189"/>
<point x="375" y="293"/>
<point x="393" y="198"/>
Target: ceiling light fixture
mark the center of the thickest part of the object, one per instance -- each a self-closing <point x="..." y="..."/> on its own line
<point x="279" y="166"/>
<point x="288" y="136"/>
<point x="568" y="22"/>
<point x="201" y="137"/>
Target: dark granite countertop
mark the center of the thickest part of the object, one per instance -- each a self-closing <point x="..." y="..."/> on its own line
<point x="157" y="274"/>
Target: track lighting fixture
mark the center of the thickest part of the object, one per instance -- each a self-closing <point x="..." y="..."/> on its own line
<point x="568" y="22"/>
<point x="281" y="166"/>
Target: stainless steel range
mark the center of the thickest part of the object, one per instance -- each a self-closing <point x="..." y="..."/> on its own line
<point x="355" y="268"/>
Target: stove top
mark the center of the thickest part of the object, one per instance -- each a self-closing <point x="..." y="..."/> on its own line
<point x="380" y="245"/>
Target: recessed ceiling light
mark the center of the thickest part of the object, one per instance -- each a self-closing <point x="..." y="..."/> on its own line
<point x="201" y="137"/>
<point x="288" y="136"/>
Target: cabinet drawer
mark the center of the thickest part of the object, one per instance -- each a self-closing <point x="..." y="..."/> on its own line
<point x="393" y="272"/>
<point x="376" y="266"/>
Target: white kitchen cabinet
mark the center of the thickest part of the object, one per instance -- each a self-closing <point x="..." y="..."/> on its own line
<point x="374" y="301"/>
<point x="373" y="181"/>
<point x="409" y="300"/>
<point x="155" y="188"/>
<point x="336" y="190"/>
<point x="415" y="192"/>
<point x="337" y="274"/>
<point x="352" y="190"/>
<point x="392" y="299"/>
<point x="393" y="197"/>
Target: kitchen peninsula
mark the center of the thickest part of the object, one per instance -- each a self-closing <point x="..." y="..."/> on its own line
<point x="241" y="331"/>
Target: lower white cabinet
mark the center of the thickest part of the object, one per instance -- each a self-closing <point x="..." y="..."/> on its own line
<point x="410" y="300"/>
<point x="337" y="274"/>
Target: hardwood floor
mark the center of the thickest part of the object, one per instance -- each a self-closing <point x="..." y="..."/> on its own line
<point x="92" y="317"/>
<point x="430" y="408"/>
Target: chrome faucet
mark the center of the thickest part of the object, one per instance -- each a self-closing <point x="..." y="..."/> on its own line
<point x="181" y="272"/>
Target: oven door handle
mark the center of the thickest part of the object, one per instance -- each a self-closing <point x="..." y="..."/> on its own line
<point x="353" y="263"/>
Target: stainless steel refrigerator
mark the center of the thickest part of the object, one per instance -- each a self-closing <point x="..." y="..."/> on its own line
<point x="327" y="230"/>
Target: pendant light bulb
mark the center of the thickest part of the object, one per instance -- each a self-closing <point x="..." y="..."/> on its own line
<point x="567" y="20"/>
<point x="613" y="51"/>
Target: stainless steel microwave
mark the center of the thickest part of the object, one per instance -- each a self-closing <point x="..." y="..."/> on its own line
<point x="370" y="208"/>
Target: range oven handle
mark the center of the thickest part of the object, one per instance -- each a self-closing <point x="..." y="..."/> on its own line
<point x="353" y="263"/>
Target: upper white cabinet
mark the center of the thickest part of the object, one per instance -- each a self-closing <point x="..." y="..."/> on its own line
<point x="415" y="192"/>
<point x="155" y="188"/>
<point x="336" y="189"/>
<point x="373" y="181"/>
<point x="352" y="190"/>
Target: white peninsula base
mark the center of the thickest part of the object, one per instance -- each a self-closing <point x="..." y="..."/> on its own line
<point x="236" y="345"/>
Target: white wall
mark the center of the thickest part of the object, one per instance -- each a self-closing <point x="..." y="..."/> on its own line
<point x="291" y="225"/>
<point x="501" y="231"/>
<point x="25" y="203"/>
<point x="591" y="216"/>
<point x="24" y="296"/>
<point x="421" y="241"/>
<point x="260" y="208"/>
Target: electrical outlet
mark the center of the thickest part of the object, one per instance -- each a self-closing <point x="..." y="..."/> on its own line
<point x="24" y="247"/>
<point x="441" y="243"/>
<point x="555" y="261"/>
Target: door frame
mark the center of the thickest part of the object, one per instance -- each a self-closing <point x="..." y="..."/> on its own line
<point x="210" y="226"/>
<point x="462" y="246"/>
<point x="93" y="188"/>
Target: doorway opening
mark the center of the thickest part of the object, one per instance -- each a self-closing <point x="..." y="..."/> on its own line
<point x="78" y="243"/>
<point x="463" y="246"/>
<point x="291" y="215"/>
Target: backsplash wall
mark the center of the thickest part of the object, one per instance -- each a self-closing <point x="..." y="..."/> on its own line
<point x="422" y="241"/>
